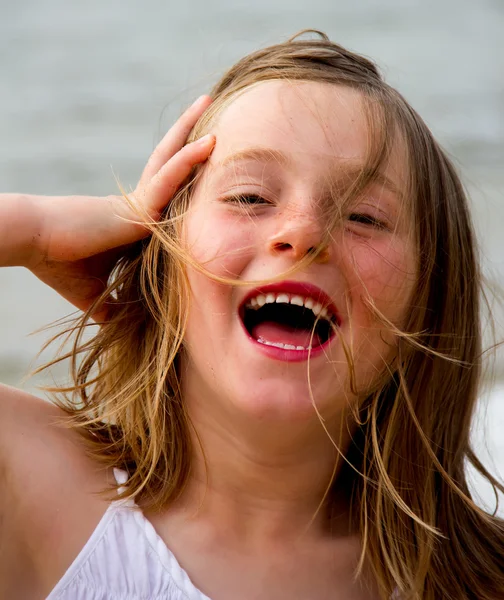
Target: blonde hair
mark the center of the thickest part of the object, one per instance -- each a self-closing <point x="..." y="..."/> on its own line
<point x="421" y="531"/>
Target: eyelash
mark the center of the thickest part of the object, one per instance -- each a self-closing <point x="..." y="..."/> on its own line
<point x="244" y="200"/>
<point x="359" y="218"/>
<point x="367" y="220"/>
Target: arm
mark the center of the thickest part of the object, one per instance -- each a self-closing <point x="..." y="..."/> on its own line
<point x="18" y="577"/>
<point x="72" y="243"/>
<point x="19" y="229"/>
<point x="49" y="500"/>
<point x="47" y="481"/>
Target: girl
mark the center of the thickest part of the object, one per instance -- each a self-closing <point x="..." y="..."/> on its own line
<point x="278" y="399"/>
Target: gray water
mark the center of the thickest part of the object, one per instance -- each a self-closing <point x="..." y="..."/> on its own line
<point x="88" y="87"/>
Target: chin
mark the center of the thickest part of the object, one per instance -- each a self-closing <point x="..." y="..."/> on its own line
<point x="286" y="401"/>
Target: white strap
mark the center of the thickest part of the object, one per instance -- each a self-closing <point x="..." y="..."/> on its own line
<point x="121" y="478"/>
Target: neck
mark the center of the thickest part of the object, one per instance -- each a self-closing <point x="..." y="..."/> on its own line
<point x="265" y="479"/>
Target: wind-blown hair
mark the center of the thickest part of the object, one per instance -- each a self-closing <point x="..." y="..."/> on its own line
<point x="406" y="466"/>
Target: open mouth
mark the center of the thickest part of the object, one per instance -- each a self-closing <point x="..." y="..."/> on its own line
<point x="299" y="319"/>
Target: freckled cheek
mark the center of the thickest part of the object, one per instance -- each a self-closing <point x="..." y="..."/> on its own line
<point x="386" y="275"/>
<point x="223" y="248"/>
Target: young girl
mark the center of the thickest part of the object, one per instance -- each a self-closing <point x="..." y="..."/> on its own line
<point x="277" y="401"/>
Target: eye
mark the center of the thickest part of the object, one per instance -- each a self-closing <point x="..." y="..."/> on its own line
<point x="368" y="220"/>
<point x="247" y="200"/>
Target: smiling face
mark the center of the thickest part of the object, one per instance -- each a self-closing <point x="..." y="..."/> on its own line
<point x="284" y="152"/>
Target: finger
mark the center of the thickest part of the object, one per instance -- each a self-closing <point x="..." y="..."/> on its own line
<point x="174" y="139"/>
<point x="171" y="176"/>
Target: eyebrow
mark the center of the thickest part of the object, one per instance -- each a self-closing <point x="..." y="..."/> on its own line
<point x="258" y="153"/>
<point x="381" y="179"/>
<point x="264" y="154"/>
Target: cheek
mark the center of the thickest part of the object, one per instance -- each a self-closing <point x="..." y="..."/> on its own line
<point x="220" y="243"/>
<point x="380" y="276"/>
<point x="382" y="272"/>
<point x="223" y="247"/>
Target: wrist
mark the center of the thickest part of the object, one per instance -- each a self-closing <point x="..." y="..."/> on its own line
<point x="19" y="229"/>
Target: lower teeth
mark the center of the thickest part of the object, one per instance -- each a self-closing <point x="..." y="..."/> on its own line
<point x="283" y="346"/>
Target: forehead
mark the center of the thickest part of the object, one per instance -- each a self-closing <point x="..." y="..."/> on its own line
<point x="312" y="124"/>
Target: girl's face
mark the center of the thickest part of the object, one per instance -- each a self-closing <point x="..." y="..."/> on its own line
<point x="283" y="150"/>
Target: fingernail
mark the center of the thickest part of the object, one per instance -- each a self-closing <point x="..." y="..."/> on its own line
<point x="199" y="101"/>
<point x="206" y="139"/>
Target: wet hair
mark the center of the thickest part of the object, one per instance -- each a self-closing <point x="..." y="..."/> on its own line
<point x="422" y="533"/>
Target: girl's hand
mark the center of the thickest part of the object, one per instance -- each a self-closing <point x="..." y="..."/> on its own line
<point x="80" y="239"/>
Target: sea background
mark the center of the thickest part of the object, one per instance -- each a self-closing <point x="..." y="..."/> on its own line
<point x="88" y="88"/>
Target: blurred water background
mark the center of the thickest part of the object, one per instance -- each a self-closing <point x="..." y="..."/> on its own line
<point x="87" y="88"/>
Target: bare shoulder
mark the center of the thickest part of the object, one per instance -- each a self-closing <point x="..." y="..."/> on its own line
<point x="14" y="398"/>
<point x="39" y="454"/>
<point x="19" y="409"/>
<point x="49" y="500"/>
<point x="32" y="433"/>
<point x="24" y="425"/>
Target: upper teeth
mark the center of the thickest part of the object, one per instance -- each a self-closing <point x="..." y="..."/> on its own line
<point x="283" y="298"/>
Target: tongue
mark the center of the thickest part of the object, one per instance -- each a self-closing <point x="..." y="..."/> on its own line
<point x="271" y="331"/>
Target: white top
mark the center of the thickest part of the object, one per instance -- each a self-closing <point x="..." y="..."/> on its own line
<point x="125" y="559"/>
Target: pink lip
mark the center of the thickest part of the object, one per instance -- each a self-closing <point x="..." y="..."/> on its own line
<point x="300" y="289"/>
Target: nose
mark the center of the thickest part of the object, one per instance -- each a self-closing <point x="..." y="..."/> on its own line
<point x="297" y="237"/>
